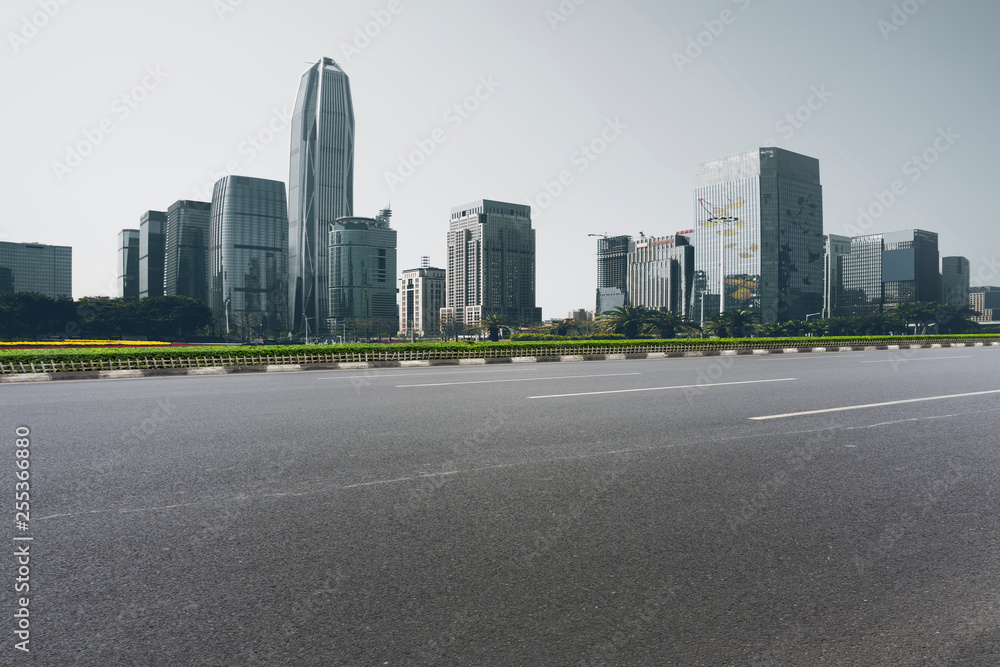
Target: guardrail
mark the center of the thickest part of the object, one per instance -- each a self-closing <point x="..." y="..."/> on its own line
<point x="309" y="358"/>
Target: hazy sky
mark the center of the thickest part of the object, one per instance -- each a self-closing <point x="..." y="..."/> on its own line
<point x="115" y="107"/>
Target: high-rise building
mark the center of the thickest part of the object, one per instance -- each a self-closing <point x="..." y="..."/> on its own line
<point x="884" y="270"/>
<point x="421" y="298"/>
<point x="955" y="280"/>
<point x="247" y="256"/>
<point x="152" y="247"/>
<point x="612" y="272"/>
<point x="758" y="235"/>
<point x="833" y="247"/>
<point x="985" y="301"/>
<point x="320" y="187"/>
<point x="185" y="271"/>
<point x="491" y="264"/>
<point x="362" y="270"/>
<point x="128" y="264"/>
<point x="36" y="267"/>
<point x="661" y="274"/>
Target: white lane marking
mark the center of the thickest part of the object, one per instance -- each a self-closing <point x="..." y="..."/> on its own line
<point x="875" y="405"/>
<point x="681" y="386"/>
<point x="566" y="377"/>
<point x="900" y="421"/>
<point x="469" y="370"/>
<point x="896" y="361"/>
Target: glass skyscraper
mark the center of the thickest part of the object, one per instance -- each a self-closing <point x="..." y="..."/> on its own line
<point x="759" y="235"/>
<point x="612" y="272"/>
<point x="36" y="267"/>
<point x="320" y="187"/>
<point x="128" y="263"/>
<point x="152" y="247"/>
<point x="363" y="270"/>
<point x="184" y="271"/>
<point x="247" y="250"/>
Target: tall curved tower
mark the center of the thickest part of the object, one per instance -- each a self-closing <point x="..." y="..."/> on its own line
<point x="320" y="187"/>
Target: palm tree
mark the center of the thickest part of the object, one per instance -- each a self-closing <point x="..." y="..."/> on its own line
<point x="625" y="320"/>
<point x="664" y="324"/>
<point x="492" y="324"/>
<point x="731" y="323"/>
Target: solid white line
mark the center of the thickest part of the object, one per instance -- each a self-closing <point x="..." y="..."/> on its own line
<point x="896" y="361"/>
<point x="876" y="405"/>
<point x="682" y="386"/>
<point x="567" y="377"/>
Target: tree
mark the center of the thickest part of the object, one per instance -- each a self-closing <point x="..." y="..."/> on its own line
<point x="492" y="324"/>
<point x="731" y="323"/>
<point x="625" y="320"/>
<point x="664" y="324"/>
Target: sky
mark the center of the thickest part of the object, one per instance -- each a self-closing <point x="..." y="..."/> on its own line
<point x="594" y="112"/>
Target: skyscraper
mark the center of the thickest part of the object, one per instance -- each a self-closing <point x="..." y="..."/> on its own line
<point x="152" y="246"/>
<point x="320" y="187"/>
<point x="247" y="250"/>
<point x="36" y="267"/>
<point x="834" y="246"/>
<point x="363" y="270"/>
<point x="128" y="264"/>
<point x="955" y="280"/>
<point x="185" y="270"/>
<point x="759" y="234"/>
<point x="661" y="274"/>
<point x="421" y="298"/>
<point x="491" y="264"/>
<point x="612" y="272"/>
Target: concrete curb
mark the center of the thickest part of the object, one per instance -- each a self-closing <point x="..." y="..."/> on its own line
<point x="366" y="365"/>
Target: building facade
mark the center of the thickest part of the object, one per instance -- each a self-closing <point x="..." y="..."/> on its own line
<point x="320" y="187"/>
<point x="612" y="272"/>
<point x="247" y="255"/>
<point x="128" y="264"/>
<point x="986" y="302"/>
<point x="36" y="267"/>
<point x="954" y="280"/>
<point x="833" y="247"/>
<point x="491" y="264"/>
<point x="882" y="271"/>
<point x="362" y="258"/>
<point x="152" y="250"/>
<point x="660" y="274"/>
<point x="185" y="263"/>
<point x="759" y="235"/>
<point x="421" y="298"/>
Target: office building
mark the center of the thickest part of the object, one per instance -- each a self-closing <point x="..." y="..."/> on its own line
<point x="955" y="280"/>
<point x="320" y="187"/>
<point x="247" y="256"/>
<point x="185" y="270"/>
<point x="986" y="302"/>
<point x="362" y="255"/>
<point x="884" y="270"/>
<point x="833" y="247"/>
<point x="491" y="264"/>
<point x="128" y="264"/>
<point x="612" y="272"/>
<point x="421" y="298"/>
<point x="758" y="235"/>
<point x="36" y="267"/>
<point x="152" y="248"/>
<point x="660" y="274"/>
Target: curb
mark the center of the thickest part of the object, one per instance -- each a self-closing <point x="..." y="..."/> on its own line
<point x="428" y="363"/>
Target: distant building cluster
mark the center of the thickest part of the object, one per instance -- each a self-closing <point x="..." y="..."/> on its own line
<point x="268" y="265"/>
<point x="758" y="245"/>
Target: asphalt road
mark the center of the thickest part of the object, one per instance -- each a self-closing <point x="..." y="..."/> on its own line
<point x="601" y="513"/>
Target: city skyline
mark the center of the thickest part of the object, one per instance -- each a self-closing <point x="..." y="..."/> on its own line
<point x="526" y="126"/>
